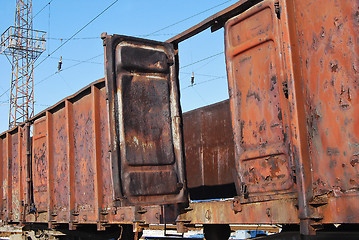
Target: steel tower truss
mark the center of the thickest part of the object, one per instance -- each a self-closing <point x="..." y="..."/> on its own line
<point x="22" y="45"/>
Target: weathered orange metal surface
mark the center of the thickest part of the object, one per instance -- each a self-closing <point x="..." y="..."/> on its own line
<point x="282" y="211"/>
<point x="328" y="46"/>
<point x="40" y="164"/>
<point x="144" y="113"/>
<point x="3" y="178"/>
<point x="293" y="85"/>
<point x="292" y="77"/>
<point x="71" y="158"/>
<point x="259" y="101"/>
<point x="2" y="189"/>
<point x="209" y="146"/>
<point x="325" y="57"/>
<point x="13" y="178"/>
<point x="71" y="168"/>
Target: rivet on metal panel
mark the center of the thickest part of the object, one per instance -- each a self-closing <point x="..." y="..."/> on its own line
<point x="114" y="211"/>
<point x="354" y="161"/>
<point x="75" y="213"/>
<point x="207" y="215"/>
<point x="268" y="212"/>
<point x="319" y="201"/>
<point x="236" y="205"/>
<point x="141" y="210"/>
<point x="104" y="212"/>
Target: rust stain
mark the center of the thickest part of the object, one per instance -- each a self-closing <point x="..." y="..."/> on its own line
<point x="146" y="138"/>
<point x="295" y="131"/>
<point x="209" y="145"/>
<point x="259" y="100"/>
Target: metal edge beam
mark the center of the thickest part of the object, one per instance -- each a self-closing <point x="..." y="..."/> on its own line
<point x="215" y="21"/>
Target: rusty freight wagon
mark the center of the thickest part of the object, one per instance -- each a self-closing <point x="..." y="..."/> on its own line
<point x="120" y="155"/>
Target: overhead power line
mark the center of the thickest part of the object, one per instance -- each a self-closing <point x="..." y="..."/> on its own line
<point x="6" y="103"/>
<point x="202" y="82"/>
<point x="145" y="35"/>
<point x="42" y="8"/>
<point x="201" y="60"/>
<point x="153" y="33"/>
<point x="98" y="37"/>
<point x="5" y="92"/>
<point x="204" y="75"/>
<point x="76" y="60"/>
<point x="183" y="20"/>
<point x="89" y="61"/>
<point x="74" y="65"/>
<point x="93" y="19"/>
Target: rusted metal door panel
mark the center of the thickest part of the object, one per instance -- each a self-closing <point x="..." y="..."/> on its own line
<point x="40" y="165"/>
<point x="70" y="147"/>
<point x="25" y="178"/>
<point x="193" y="148"/>
<point x="258" y="98"/>
<point x="107" y="189"/>
<point x="5" y="176"/>
<point x="146" y="138"/>
<point x="328" y="34"/>
<point x="209" y="145"/>
<point x="15" y="169"/>
<point x="23" y="157"/>
<point x="11" y="174"/>
<point x="58" y="158"/>
<point x="324" y="43"/>
<point x="84" y="147"/>
<point x="2" y="174"/>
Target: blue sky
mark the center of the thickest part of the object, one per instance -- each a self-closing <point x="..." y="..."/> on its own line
<point x="141" y="18"/>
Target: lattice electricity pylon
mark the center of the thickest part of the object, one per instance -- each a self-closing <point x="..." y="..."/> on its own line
<point x="24" y="45"/>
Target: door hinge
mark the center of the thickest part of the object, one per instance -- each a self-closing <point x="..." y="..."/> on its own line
<point x="277" y="9"/>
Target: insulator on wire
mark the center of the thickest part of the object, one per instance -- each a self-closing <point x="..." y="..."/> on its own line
<point x="192" y="79"/>
<point x="60" y="65"/>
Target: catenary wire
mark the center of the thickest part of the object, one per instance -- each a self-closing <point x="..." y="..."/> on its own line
<point x="98" y="37"/>
<point x="93" y="19"/>
<point x="201" y="60"/>
<point x="42" y="9"/>
<point x="202" y="82"/>
<point x="173" y="24"/>
<point x="85" y="61"/>
<point x="72" y="37"/>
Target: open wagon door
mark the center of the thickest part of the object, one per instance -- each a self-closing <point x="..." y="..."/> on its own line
<point x="145" y="121"/>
